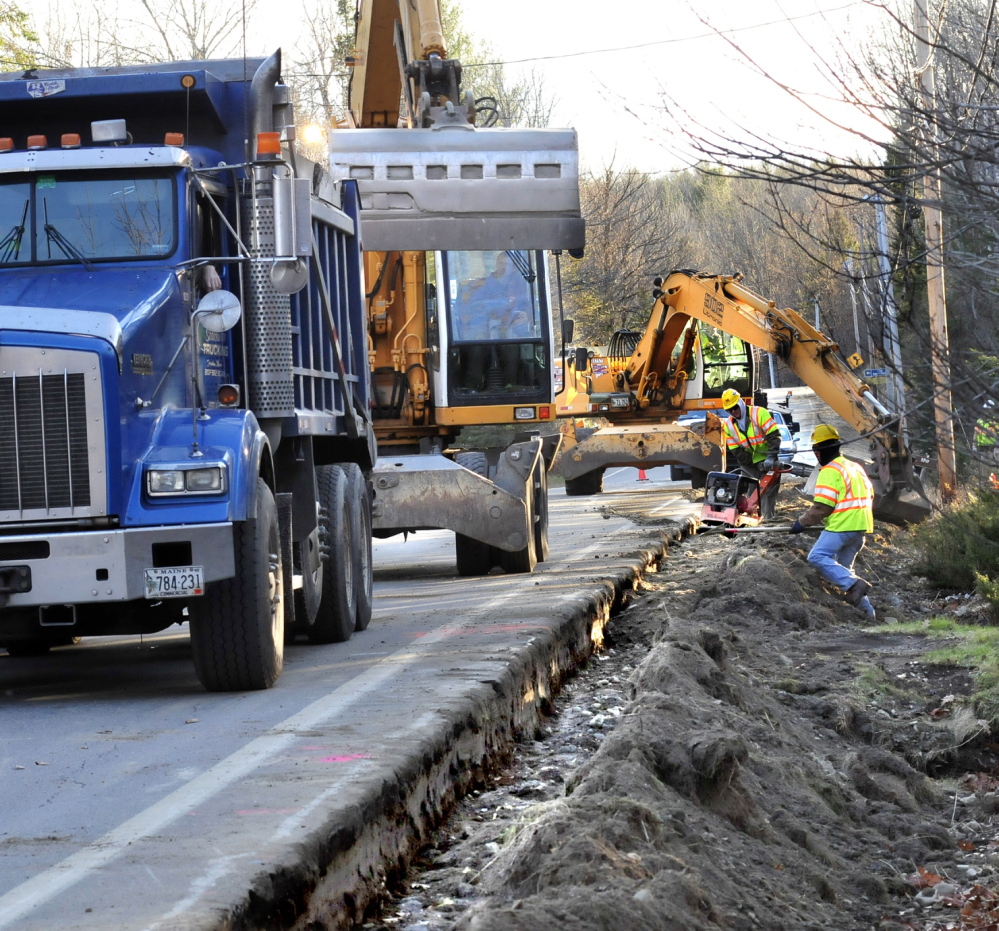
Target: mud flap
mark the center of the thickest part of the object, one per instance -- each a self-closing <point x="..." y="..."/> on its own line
<point x="462" y="188"/>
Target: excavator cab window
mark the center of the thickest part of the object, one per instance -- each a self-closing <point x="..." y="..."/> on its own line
<point x="728" y="363"/>
<point x="498" y="327"/>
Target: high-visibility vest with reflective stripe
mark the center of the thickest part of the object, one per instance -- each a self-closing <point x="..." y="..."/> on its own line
<point x="844" y="486"/>
<point x="758" y="424"/>
<point x="985" y="433"/>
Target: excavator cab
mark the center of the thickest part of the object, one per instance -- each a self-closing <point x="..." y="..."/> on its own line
<point x="496" y="348"/>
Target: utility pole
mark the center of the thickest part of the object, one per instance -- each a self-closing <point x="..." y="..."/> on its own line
<point x="943" y="412"/>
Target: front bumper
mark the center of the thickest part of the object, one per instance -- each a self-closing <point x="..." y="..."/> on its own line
<point x="108" y="566"/>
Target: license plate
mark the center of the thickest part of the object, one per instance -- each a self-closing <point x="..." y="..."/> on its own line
<point x="175" y="582"/>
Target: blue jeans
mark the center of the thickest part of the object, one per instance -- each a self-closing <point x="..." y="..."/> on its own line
<point x="833" y="556"/>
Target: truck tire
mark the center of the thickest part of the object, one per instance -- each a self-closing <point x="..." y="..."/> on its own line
<point x="308" y="597"/>
<point x="592" y="483"/>
<point x="360" y="513"/>
<point x="337" y="615"/>
<point x="237" y="626"/>
<point x="289" y="600"/>
<point x="541" y="511"/>
<point x="522" y="561"/>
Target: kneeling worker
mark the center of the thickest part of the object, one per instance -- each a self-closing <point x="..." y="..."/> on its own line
<point x="844" y="504"/>
<point x="753" y="441"/>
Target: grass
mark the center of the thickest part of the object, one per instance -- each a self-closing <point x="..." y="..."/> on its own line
<point x="872" y="681"/>
<point x="971" y="647"/>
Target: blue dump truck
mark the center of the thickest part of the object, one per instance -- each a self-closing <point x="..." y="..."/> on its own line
<point x="184" y="389"/>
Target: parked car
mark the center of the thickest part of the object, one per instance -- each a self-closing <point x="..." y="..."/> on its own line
<point x="784" y="417"/>
<point x="788" y="445"/>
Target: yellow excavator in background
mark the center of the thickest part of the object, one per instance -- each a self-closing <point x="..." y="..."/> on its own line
<point x="700" y="339"/>
<point x="455" y="224"/>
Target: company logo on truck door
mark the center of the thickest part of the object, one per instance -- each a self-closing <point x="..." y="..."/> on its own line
<point x="713" y="309"/>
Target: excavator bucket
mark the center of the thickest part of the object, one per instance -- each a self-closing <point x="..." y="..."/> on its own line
<point x="901" y="505"/>
<point x="462" y="188"/>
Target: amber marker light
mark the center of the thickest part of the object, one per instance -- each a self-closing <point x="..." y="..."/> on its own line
<point x="268" y="144"/>
<point x="70" y="140"/>
<point x="173" y="139"/>
<point x="228" y="395"/>
<point x="37" y="142"/>
<point x="6" y="144"/>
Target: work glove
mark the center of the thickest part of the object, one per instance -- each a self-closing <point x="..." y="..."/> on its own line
<point x="796" y="527"/>
<point x="770" y="463"/>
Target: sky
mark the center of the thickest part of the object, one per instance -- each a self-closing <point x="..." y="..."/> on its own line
<point x="614" y="97"/>
<point x="608" y="64"/>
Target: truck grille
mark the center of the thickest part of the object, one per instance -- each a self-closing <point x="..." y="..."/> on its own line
<point x="49" y="466"/>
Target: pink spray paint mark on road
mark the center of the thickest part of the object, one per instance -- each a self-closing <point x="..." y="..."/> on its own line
<point x="345" y="758"/>
<point x="266" y="811"/>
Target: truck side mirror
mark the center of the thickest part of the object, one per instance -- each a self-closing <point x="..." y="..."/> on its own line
<point x="218" y="311"/>
<point x="568" y="328"/>
<point x="582" y="359"/>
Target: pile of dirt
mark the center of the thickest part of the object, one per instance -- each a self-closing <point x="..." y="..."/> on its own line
<point x="746" y="756"/>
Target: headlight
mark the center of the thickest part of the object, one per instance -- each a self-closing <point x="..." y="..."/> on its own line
<point x="204" y="481"/>
<point x="166" y="482"/>
<point x="523" y="413"/>
<point x="209" y="480"/>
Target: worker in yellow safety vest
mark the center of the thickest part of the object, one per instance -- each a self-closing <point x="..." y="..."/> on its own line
<point x="844" y="505"/>
<point x="987" y="433"/>
<point x="753" y="441"/>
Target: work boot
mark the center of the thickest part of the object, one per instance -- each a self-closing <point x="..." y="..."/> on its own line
<point x="856" y="592"/>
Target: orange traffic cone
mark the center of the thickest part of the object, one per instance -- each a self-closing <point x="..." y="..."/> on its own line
<point x="642" y="477"/>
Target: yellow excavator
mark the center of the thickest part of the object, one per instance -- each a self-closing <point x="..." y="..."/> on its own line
<point x="456" y="222"/>
<point x="704" y="335"/>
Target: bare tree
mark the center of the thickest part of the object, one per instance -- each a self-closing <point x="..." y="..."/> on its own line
<point x="635" y="231"/>
<point x="953" y="136"/>
<point x="197" y="29"/>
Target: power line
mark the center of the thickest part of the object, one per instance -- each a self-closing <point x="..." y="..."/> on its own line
<point x="630" y="48"/>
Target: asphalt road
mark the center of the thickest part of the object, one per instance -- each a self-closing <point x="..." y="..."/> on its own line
<point x="136" y="800"/>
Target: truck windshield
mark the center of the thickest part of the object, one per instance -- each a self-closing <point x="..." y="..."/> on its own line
<point x="63" y="217"/>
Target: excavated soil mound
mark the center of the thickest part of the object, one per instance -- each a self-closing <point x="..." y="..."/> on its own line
<point x="744" y="773"/>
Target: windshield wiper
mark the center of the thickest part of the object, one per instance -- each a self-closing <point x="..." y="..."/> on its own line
<point x="54" y="236"/>
<point x="10" y="245"/>
<point x="523" y="266"/>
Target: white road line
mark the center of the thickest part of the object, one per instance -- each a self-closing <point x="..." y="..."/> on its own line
<point x="46" y="885"/>
<point x="50" y="883"/>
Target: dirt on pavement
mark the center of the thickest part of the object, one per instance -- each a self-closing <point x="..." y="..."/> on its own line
<point x="746" y="754"/>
